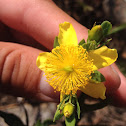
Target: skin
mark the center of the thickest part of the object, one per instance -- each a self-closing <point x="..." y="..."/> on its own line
<point x="36" y="23"/>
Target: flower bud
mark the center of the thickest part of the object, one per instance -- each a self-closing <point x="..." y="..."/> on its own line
<point x="96" y="33"/>
<point x="68" y="109"/>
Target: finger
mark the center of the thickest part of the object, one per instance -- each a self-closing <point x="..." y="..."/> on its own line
<point x="39" y="19"/>
<point x="20" y="75"/>
<point x="119" y="96"/>
<point x="11" y="35"/>
<point x="24" y="39"/>
<point x="112" y="82"/>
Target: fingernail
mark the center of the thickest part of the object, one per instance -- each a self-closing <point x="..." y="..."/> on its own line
<point x="113" y="80"/>
<point x="114" y="70"/>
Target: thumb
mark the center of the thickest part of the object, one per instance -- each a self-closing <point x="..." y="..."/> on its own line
<point x="20" y="75"/>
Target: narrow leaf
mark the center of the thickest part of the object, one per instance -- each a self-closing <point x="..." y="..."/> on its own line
<point x="105" y="43"/>
<point x="58" y="115"/>
<point x="60" y="107"/>
<point x="117" y="29"/>
<point x="78" y="108"/>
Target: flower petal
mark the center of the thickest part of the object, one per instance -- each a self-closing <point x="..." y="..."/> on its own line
<point x="41" y="59"/>
<point x="95" y="90"/>
<point x="103" y="57"/>
<point x="67" y="34"/>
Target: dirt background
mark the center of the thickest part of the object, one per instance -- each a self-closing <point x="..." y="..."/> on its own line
<point x="86" y="12"/>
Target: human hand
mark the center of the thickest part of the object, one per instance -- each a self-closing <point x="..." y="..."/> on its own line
<point x="39" y="20"/>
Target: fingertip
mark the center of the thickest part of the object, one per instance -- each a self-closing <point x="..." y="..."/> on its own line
<point x="113" y="81"/>
<point x="47" y="90"/>
<point x="119" y="96"/>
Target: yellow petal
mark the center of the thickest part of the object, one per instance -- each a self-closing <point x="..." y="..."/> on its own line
<point x="67" y="34"/>
<point x="103" y="57"/>
<point x="41" y="59"/>
<point x="95" y="90"/>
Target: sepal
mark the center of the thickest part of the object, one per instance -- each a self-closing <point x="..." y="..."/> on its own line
<point x="82" y="42"/>
<point x="56" y="43"/>
<point x="97" y="77"/>
<point x="70" y="121"/>
<point x="92" y="45"/>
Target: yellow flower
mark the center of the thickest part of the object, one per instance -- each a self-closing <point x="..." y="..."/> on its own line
<point x="68" y="67"/>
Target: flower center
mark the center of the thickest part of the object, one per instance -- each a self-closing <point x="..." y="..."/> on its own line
<point x="68" y="69"/>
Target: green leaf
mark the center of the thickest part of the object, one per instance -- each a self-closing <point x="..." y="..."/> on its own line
<point x="78" y="108"/>
<point x="38" y="123"/>
<point x="117" y="29"/>
<point x="106" y="27"/>
<point x="71" y="121"/>
<point x="105" y="43"/>
<point x="56" y="43"/>
<point x="97" y="76"/>
<point x="58" y="115"/>
<point x="82" y="42"/>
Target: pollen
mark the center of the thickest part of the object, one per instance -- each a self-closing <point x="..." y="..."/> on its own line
<point x="67" y="68"/>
